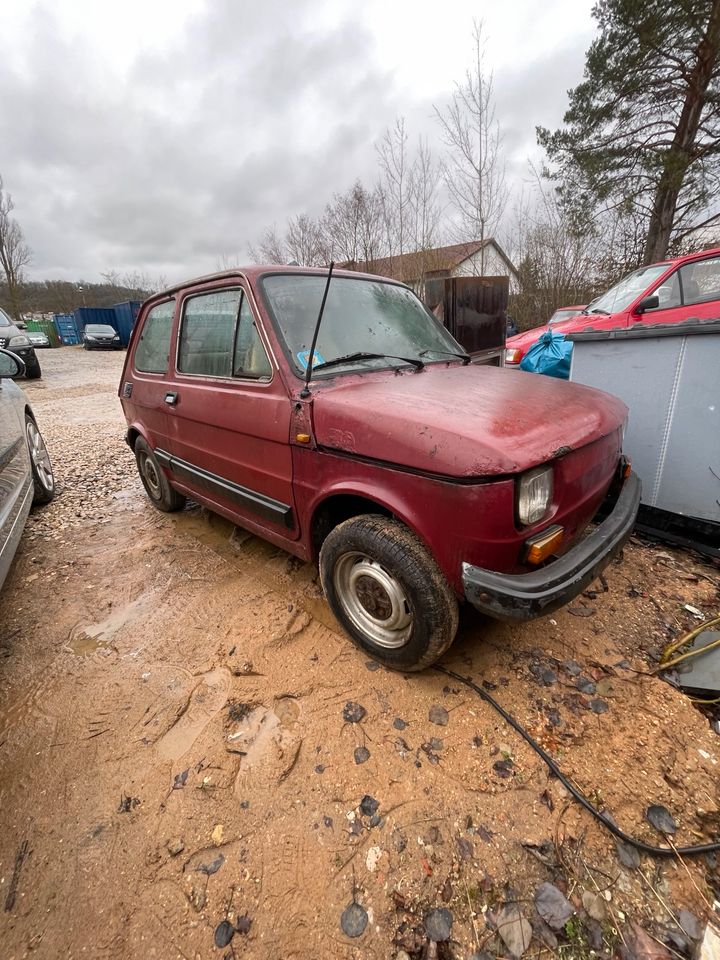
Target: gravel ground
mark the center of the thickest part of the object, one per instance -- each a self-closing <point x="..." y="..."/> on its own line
<point x="197" y="763"/>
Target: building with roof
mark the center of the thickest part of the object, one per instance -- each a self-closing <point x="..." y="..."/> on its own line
<point x="478" y="258"/>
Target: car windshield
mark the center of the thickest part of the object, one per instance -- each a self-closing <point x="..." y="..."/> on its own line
<point x="100" y="330"/>
<point x="361" y="317"/>
<point x="630" y="287"/>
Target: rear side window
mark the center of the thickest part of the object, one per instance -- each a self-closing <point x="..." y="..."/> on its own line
<point x="218" y="338"/>
<point x="153" y="350"/>
<point x="701" y="281"/>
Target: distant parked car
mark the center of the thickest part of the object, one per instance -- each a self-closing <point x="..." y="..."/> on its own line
<point x="565" y="313"/>
<point x="101" y="336"/>
<point x="13" y="339"/>
<point x="686" y="288"/>
<point x="38" y="339"/>
<point x="26" y="475"/>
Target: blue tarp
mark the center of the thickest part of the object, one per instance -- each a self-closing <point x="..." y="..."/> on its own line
<point x="549" y="355"/>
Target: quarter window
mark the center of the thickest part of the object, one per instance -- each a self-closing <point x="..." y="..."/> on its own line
<point x="219" y="338"/>
<point x="153" y="350"/>
<point x="250" y="357"/>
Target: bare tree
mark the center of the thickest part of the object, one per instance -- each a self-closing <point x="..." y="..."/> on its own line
<point x="474" y="167"/>
<point x="353" y="226"/>
<point x="395" y="183"/>
<point x="424" y="210"/>
<point x="271" y="248"/>
<point x="558" y="264"/>
<point x="15" y="254"/>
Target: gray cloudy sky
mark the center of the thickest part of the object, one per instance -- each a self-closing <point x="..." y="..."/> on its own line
<point x="158" y="135"/>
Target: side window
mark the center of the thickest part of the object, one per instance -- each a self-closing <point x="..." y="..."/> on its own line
<point x="153" y="349"/>
<point x="206" y="334"/>
<point x="701" y="281"/>
<point x="668" y="293"/>
<point x="250" y="357"/>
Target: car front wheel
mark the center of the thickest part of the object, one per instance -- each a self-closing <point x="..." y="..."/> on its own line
<point x="162" y="495"/>
<point x="388" y="593"/>
<point x="42" y="471"/>
<point x="32" y="369"/>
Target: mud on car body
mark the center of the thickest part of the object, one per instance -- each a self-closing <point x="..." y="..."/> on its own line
<point x="415" y="479"/>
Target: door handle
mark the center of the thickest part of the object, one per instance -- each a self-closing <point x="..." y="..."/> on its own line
<point x="171" y="398"/>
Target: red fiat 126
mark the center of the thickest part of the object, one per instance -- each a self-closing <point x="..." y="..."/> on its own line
<point x="336" y="418"/>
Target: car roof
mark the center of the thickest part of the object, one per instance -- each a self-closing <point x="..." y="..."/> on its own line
<point x="256" y="271"/>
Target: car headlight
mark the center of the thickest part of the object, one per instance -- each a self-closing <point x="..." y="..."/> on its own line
<point x="116" y="338"/>
<point x="535" y="490"/>
<point x="89" y="336"/>
<point x="20" y="341"/>
<point x="513" y="355"/>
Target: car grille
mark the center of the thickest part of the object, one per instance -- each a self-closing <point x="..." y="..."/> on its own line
<point x="4" y="341"/>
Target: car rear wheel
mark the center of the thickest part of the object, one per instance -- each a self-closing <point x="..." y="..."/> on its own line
<point x="388" y="593"/>
<point x="42" y="471"/>
<point x="162" y="495"/>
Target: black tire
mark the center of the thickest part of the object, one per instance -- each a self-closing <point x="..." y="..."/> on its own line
<point x="161" y="494"/>
<point x="42" y="471"/>
<point x="32" y="369"/>
<point x="369" y="551"/>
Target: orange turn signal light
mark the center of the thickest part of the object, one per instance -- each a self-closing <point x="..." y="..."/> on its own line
<point x="544" y="545"/>
<point x="302" y="437"/>
<point x="513" y="355"/>
<point x="627" y="470"/>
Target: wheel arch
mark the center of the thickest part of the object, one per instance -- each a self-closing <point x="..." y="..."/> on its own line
<point x="337" y="505"/>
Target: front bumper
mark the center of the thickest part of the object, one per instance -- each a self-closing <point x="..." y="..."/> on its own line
<point x="527" y="595"/>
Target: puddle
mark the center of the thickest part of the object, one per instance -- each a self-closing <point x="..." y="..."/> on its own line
<point x="206" y="701"/>
<point x="94" y="636"/>
<point x="266" y="737"/>
<point x="83" y="645"/>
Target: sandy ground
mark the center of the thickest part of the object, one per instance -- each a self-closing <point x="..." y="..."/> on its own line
<point x="173" y="751"/>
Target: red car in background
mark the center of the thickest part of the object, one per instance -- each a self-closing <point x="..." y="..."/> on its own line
<point x="564" y="313"/>
<point x="669" y="292"/>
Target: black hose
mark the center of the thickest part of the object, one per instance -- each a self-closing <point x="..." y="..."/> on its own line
<point x="580" y="797"/>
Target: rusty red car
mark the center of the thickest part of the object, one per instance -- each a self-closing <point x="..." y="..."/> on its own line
<point x="370" y="444"/>
<point x="685" y="288"/>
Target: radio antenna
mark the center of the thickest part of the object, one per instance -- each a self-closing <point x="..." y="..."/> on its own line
<point x="305" y="392"/>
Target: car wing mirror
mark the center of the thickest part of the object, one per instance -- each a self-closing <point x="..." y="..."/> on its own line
<point x="648" y="303"/>
<point x="10" y="365"/>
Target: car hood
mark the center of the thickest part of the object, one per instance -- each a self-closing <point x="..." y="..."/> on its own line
<point x="583" y="321"/>
<point x="462" y="421"/>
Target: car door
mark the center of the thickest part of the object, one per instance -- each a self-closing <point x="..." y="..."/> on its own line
<point x="145" y="380"/>
<point x="690" y="292"/>
<point x="229" y="414"/>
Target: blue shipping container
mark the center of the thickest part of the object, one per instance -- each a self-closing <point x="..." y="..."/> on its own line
<point x="125" y="316"/>
<point x="85" y="315"/>
<point x="66" y="328"/>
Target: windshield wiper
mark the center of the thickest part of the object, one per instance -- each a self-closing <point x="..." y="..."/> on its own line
<point x="354" y="357"/>
<point x="605" y="313"/>
<point x="465" y="357"/>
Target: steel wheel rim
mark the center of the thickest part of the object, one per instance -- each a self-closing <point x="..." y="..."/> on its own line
<point x="40" y="457"/>
<point x="152" y="479"/>
<point x="373" y="600"/>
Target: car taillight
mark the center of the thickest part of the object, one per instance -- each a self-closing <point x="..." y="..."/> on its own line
<point x="513" y="355"/>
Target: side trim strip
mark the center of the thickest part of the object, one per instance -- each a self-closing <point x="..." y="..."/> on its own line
<point x="258" y="503"/>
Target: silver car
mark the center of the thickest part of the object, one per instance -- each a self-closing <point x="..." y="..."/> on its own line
<point x="26" y="475"/>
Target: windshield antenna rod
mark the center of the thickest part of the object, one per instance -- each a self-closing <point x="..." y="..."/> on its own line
<point x="305" y="392"/>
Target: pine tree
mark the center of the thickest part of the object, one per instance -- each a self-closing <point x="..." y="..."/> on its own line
<point x="642" y="133"/>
